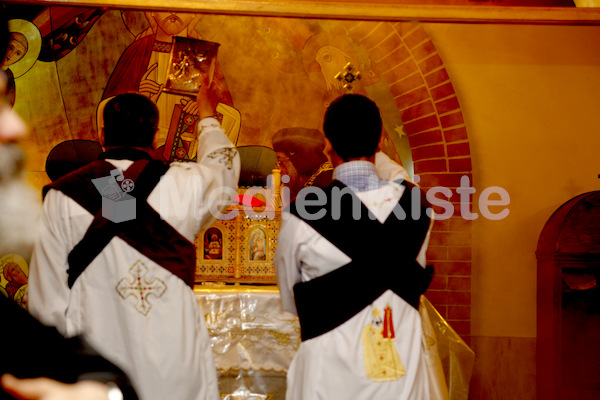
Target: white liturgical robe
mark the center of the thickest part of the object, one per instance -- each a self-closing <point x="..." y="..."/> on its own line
<point x="133" y="311"/>
<point x="377" y="354"/>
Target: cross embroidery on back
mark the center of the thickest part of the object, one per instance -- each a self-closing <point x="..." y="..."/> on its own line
<point x="140" y="288"/>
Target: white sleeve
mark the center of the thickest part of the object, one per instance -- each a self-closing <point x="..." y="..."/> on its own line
<point x="216" y="152"/>
<point x="192" y="195"/>
<point x="287" y="261"/>
<point x="48" y="292"/>
<point x="302" y="254"/>
<point x="389" y="170"/>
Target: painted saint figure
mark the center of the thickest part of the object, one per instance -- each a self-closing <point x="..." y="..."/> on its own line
<point x="17" y="47"/>
<point x="213" y="244"/>
<point x="143" y="68"/>
<point x="22" y="52"/>
<point x="258" y="241"/>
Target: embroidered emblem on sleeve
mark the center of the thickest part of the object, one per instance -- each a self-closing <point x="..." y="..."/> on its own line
<point x="224" y="156"/>
<point x="382" y="362"/>
<point x="139" y="287"/>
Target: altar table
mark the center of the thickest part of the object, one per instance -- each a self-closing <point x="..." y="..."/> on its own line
<point x="254" y="340"/>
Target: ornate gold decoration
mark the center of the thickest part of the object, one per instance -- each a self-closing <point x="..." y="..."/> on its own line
<point x="348" y="76"/>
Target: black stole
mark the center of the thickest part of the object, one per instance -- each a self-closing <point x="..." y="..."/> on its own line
<point x="148" y="233"/>
<point x="383" y="257"/>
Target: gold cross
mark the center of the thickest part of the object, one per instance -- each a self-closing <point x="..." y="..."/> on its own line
<point x="348" y="76"/>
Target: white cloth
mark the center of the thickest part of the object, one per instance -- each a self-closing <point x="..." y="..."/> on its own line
<point x="332" y="365"/>
<point x="163" y="347"/>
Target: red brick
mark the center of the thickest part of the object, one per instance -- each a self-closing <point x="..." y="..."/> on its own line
<point x="407" y="84"/>
<point x="453" y="135"/>
<point x="438" y="198"/>
<point x="460" y="164"/>
<point x="454" y="197"/>
<point x="449" y="297"/>
<point x="438" y="238"/>
<point x="413" y="97"/>
<point x="440" y="225"/>
<point x="459" y="224"/>
<point x="429" y="64"/>
<point x="404" y="28"/>
<point x="442" y="310"/>
<point x="417" y="111"/>
<point x="451" y="239"/>
<point x="442" y="91"/>
<point x="422" y="125"/>
<point x="441" y="207"/>
<point x="459" y="253"/>
<point x="459" y="312"/>
<point x="437" y="253"/>
<point x="467" y="339"/>
<point x="439" y="282"/>
<point x="447" y="180"/>
<point x="382" y="31"/>
<point x="459" y="283"/>
<point x="415" y="37"/>
<point x="458" y="149"/>
<point x="391" y="57"/>
<point x="459" y="298"/>
<point x="437" y="77"/>
<point x="401" y="71"/>
<point x="469" y="207"/>
<point x="448" y="105"/>
<point x="391" y="44"/>
<point x="452" y="267"/>
<point x="425" y="152"/>
<point x="461" y="327"/>
<point x="457" y="200"/>
<point x="425" y="138"/>
<point x="424" y="50"/>
<point x="361" y="30"/>
<point x="452" y="120"/>
<point x="438" y="165"/>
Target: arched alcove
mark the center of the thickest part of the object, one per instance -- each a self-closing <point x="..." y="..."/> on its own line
<point x="568" y="256"/>
<point x="434" y="126"/>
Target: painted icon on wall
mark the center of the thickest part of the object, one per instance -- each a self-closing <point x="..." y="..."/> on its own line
<point x="144" y="67"/>
<point x="258" y="245"/>
<point x="14" y="273"/>
<point x="213" y="244"/>
<point x="23" y="50"/>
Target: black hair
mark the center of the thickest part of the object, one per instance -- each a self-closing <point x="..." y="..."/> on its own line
<point x="353" y="126"/>
<point x="130" y="119"/>
<point x="4" y="34"/>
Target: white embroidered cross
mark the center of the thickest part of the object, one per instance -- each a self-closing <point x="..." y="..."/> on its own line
<point x="140" y="288"/>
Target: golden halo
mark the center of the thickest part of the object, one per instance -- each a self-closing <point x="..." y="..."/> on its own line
<point x="12" y="258"/>
<point x="34" y="42"/>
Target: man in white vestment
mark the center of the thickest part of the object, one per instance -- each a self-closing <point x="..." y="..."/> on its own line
<point x="119" y="267"/>
<point x="350" y="262"/>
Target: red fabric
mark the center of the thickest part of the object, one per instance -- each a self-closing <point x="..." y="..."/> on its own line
<point x="248" y="201"/>
<point x="388" y="324"/>
<point x="131" y="68"/>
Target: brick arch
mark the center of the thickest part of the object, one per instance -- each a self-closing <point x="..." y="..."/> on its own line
<point x="408" y="60"/>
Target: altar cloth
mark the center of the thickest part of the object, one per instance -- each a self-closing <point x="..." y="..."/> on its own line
<point x="248" y="328"/>
<point x="254" y="340"/>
